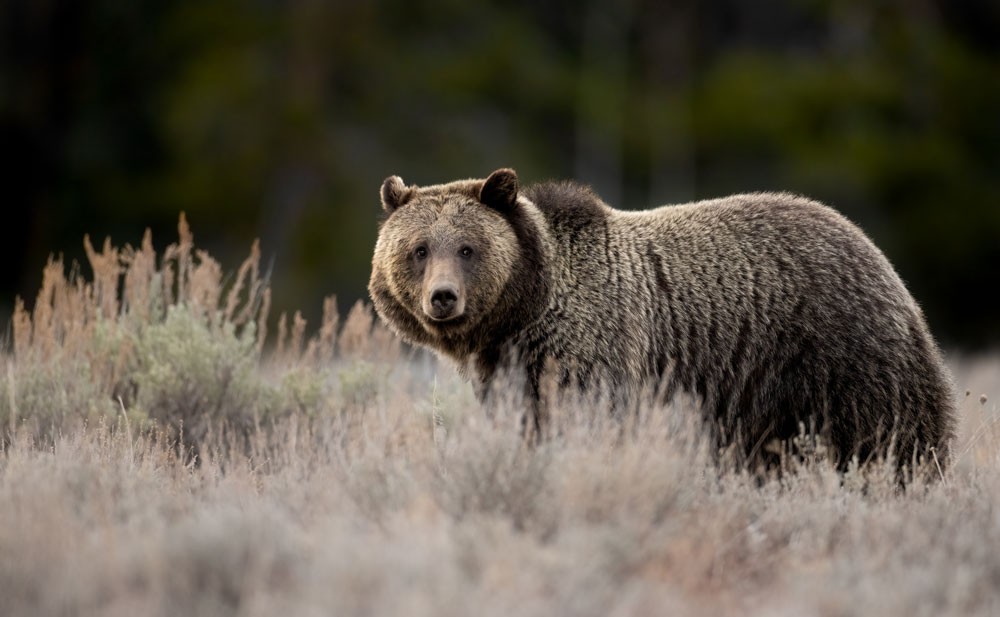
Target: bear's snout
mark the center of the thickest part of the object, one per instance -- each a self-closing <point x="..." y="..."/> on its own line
<point x="445" y="303"/>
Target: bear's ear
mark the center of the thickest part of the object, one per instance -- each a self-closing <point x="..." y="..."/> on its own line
<point x="500" y="190"/>
<point x="394" y="193"/>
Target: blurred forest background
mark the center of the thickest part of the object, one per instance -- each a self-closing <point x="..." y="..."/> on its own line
<point x="279" y="119"/>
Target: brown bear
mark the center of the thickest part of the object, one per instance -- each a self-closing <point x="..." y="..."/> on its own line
<point x="771" y="310"/>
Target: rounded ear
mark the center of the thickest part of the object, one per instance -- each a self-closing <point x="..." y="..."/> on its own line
<point x="394" y="193"/>
<point x="500" y="190"/>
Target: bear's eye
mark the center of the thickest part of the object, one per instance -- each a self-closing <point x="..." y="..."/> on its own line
<point x="420" y="252"/>
<point x="466" y="251"/>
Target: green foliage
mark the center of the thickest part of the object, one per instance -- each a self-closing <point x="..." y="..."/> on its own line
<point x="51" y="397"/>
<point x="189" y="372"/>
<point x="361" y="382"/>
<point x="303" y="390"/>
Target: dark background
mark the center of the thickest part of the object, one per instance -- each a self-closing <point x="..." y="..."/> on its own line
<point x="280" y="120"/>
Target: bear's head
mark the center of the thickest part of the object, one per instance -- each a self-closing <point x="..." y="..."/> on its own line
<point x="446" y="257"/>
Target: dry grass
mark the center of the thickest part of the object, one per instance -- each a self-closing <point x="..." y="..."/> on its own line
<point x="156" y="461"/>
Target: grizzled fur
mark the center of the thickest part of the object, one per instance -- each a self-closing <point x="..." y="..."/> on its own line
<point x="770" y="309"/>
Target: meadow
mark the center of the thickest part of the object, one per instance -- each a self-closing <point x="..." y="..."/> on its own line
<point x="169" y="448"/>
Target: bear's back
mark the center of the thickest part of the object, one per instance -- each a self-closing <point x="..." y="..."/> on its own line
<point x="772" y="309"/>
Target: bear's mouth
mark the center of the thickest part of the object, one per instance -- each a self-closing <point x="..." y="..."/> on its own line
<point x="447" y="323"/>
<point x="444" y="318"/>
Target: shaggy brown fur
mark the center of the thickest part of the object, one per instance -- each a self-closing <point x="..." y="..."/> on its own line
<point x="771" y="309"/>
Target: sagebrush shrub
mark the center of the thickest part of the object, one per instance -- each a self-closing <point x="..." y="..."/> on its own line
<point x="163" y="342"/>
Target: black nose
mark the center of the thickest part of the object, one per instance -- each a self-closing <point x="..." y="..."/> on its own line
<point x="443" y="300"/>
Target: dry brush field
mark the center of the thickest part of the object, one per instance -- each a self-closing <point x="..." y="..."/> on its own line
<point x="163" y="454"/>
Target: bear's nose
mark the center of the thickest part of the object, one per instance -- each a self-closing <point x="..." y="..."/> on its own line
<point x="443" y="300"/>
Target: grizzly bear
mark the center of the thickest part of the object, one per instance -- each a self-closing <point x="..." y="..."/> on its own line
<point x="770" y="310"/>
